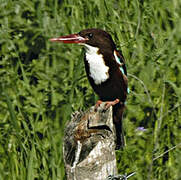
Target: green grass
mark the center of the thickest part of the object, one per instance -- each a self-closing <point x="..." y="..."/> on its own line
<point x="42" y="83"/>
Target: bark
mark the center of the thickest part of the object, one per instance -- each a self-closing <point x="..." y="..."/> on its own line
<point x="89" y="145"/>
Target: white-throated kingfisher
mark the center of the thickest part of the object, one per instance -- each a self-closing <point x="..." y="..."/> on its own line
<point x="106" y="71"/>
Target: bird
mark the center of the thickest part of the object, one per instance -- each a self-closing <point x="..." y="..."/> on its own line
<point x="106" y="71"/>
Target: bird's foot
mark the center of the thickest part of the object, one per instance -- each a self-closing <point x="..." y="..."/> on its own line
<point x="111" y="103"/>
<point x="107" y="104"/>
<point x="98" y="103"/>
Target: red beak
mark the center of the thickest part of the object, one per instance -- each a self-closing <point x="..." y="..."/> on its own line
<point x="72" y="38"/>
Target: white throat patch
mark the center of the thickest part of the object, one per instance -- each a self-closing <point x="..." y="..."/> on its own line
<point x="98" y="69"/>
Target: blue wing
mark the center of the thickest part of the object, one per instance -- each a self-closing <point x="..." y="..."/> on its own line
<point x="120" y="60"/>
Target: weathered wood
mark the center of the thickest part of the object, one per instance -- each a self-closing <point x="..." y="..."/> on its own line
<point x="89" y="145"/>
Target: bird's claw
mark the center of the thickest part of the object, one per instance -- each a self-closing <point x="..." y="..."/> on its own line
<point x="107" y="104"/>
<point x="98" y="103"/>
<point x="111" y="103"/>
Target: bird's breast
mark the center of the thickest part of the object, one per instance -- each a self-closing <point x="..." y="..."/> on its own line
<point x="98" y="70"/>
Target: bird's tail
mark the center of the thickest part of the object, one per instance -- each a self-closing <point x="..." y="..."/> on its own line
<point x="118" y="110"/>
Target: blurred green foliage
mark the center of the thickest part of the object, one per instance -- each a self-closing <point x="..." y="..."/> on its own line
<point x="42" y="83"/>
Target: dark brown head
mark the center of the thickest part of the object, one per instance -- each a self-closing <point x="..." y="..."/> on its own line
<point x="93" y="37"/>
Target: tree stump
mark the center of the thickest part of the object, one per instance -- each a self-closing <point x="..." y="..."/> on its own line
<point x="89" y="145"/>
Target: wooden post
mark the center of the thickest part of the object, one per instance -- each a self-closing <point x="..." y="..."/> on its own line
<point x="89" y="145"/>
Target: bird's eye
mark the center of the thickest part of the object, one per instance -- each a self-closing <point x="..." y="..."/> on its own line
<point x="90" y="35"/>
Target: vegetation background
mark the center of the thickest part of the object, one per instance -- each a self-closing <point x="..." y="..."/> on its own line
<point x="42" y="83"/>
